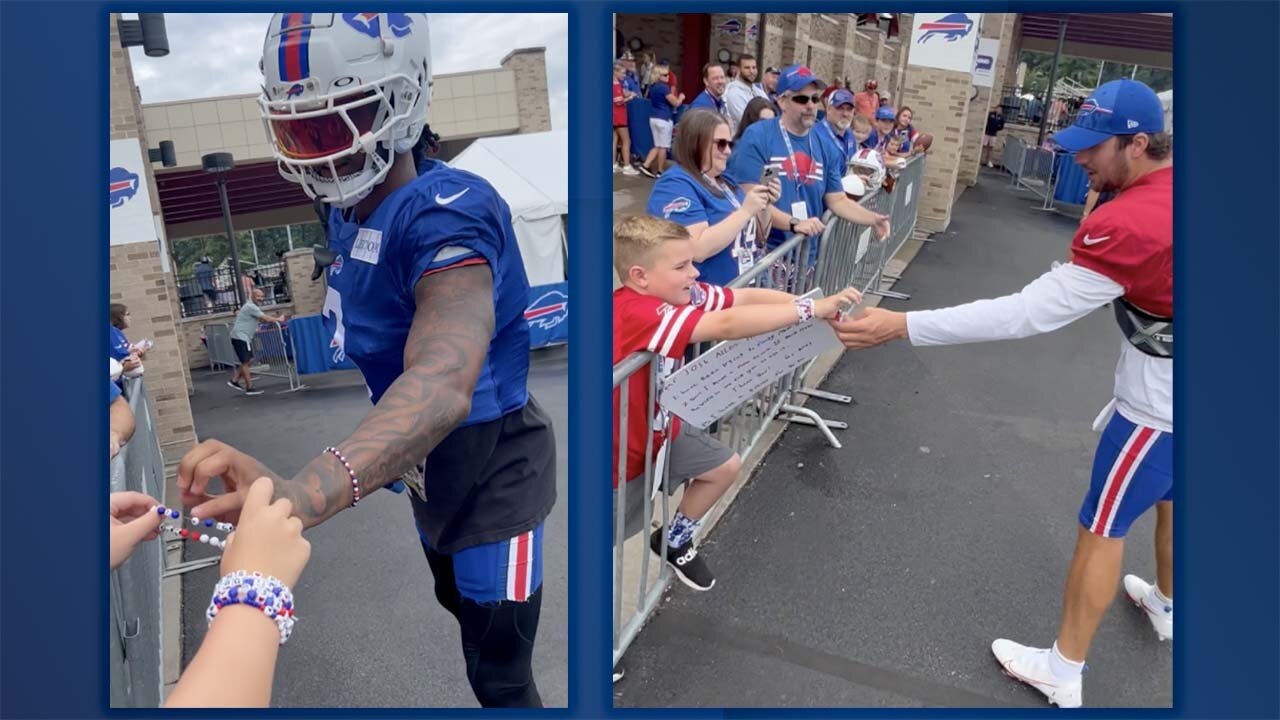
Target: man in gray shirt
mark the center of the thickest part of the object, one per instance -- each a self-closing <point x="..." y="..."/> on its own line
<point x="242" y="332"/>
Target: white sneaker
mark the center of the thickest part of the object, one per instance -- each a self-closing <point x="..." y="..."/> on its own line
<point x="1161" y="618"/>
<point x="990" y="164"/>
<point x="617" y="168"/>
<point x="628" y="170"/>
<point x="1031" y="666"/>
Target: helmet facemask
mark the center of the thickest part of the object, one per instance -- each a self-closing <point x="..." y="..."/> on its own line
<point x="319" y="143"/>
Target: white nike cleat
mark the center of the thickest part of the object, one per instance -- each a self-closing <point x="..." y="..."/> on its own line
<point x="1161" y="618"/>
<point x="1031" y="666"/>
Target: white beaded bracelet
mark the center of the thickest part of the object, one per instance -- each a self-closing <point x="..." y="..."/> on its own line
<point x="259" y="591"/>
<point x="804" y="309"/>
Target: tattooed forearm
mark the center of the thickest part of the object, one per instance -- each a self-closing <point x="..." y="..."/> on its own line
<point x="443" y="358"/>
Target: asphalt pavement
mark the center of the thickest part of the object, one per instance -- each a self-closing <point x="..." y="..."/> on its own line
<point x="370" y="633"/>
<point x="878" y="575"/>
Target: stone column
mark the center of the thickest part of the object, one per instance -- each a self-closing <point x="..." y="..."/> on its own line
<point x="533" y="104"/>
<point x="992" y="26"/>
<point x="308" y="295"/>
<point x="940" y="99"/>
<point x="138" y="278"/>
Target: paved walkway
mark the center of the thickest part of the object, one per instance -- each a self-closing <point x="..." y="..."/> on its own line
<point x="878" y="575"/>
<point x="370" y="632"/>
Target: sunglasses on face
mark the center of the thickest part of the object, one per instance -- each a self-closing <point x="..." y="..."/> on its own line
<point x="806" y="99"/>
<point x="723" y="145"/>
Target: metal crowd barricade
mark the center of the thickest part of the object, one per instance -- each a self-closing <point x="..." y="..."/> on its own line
<point x="848" y="255"/>
<point x="136" y="639"/>
<point x="274" y="355"/>
<point x="1013" y="157"/>
<point x="217" y="340"/>
<point x="1037" y="173"/>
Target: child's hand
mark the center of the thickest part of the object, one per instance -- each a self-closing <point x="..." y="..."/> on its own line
<point x="132" y="521"/>
<point x="830" y="307"/>
<point x="268" y="539"/>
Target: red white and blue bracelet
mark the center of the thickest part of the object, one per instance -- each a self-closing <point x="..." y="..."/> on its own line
<point x="355" y="481"/>
<point x="263" y="592"/>
<point x="195" y="535"/>
<point x="804" y="309"/>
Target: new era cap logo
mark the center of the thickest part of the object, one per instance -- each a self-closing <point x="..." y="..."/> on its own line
<point x="1132" y="124"/>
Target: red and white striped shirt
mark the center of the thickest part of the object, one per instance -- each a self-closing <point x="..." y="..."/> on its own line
<point x="647" y="323"/>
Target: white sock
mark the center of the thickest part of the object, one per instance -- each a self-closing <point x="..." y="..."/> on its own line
<point x="1063" y="669"/>
<point x="1158" y="602"/>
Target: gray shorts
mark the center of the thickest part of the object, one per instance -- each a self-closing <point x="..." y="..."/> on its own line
<point x="692" y="453"/>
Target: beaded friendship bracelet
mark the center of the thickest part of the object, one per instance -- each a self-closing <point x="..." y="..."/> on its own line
<point x="256" y="590"/>
<point x="804" y="309"/>
<point x="193" y="535"/>
<point x="355" y="481"/>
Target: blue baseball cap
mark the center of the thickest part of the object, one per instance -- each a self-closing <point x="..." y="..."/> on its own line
<point x="795" y="78"/>
<point x="841" y="97"/>
<point x="1120" y="107"/>
<point x="886" y="113"/>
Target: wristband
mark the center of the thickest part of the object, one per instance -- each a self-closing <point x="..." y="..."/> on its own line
<point x="355" y="481"/>
<point x="265" y="593"/>
<point x="804" y="309"/>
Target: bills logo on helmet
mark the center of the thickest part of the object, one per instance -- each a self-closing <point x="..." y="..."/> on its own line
<point x="679" y="204"/>
<point x="730" y="27"/>
<point x="294" y="90"/>
<point x="367" y="23"/>
<point x="549" y="310"/>
<point x="336" y="266"/>
<point x="951" y="27"/>
<point x="801" y="166"/>
<point x="123" y="186"/>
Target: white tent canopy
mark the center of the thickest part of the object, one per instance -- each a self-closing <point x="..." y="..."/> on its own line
<point x="531" y="173"/>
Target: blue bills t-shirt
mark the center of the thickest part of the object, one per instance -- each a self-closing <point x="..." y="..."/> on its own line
<point x="803" y="173"/>
<point x="662" y="108"/>
<point x="681" y="198"/>
<point x="844" y="145"/>
<point x="117" y="343"/>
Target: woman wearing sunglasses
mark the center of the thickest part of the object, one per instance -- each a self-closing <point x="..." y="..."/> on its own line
<point x="727" y="224"/>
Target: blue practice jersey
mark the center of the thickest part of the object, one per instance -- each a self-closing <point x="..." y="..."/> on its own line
<point x="445" y="218"/>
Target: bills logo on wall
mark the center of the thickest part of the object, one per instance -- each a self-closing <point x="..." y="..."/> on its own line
<point x="128" y="195"/>
<point x="944" y="40"/>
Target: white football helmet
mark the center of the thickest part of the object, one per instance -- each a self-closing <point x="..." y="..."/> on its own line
<point x="343" y="93"/>
<point x="868" y="164"/>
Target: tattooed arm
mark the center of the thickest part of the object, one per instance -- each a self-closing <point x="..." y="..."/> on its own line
<point x="443" y="358"/>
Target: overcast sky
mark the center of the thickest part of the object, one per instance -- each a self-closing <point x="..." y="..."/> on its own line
<point x="217" y="54"/>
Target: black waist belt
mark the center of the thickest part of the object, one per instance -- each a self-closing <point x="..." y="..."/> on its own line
<point x="1149" y="333"/>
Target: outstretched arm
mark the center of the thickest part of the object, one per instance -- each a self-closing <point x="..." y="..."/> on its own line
<point x="443" y="358"/>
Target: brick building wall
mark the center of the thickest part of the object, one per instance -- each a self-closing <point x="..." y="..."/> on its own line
<point x="991" y="26"/>
<point x="940" y="99"/>
<point x="532" y="100"/>
<point x="138" y="279"/>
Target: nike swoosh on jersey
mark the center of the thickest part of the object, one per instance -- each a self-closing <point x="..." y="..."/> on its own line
<point x="1087" y="240"/>
<point x="451" y="198"/>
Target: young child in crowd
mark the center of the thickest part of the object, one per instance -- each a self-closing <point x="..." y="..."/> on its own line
<point x="661" y="308"/>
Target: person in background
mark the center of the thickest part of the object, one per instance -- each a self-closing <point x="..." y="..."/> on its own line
<point x="247" y="284"/>
<point x="742" y="90"/>
<point x="884" y="124"/>
<point x="630" y="81"/>
<point x="904" y="134"/>
<point x="129" y="355"/>
<point x="726" y="224"/>
<point x="621" y="133"/>
<point x="886" y="100"/>
<point x="758" y="109"/>
<point x="645" y="70"/>
<point x="204" y="280"/>
<point x="714" y="82"/>
<point x="866" y="102"/>
<point x="120" y="422"/>
<point x="835" y="128"/>
<point x="861" y="128"/>
<point x="769" y="82"/>
<point x="242" y="332"/>
<point x="836" y="84"/>
<point x="995" y="123"/>
<point x="665" y="101"/>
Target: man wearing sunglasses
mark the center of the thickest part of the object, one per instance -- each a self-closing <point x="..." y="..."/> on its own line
<point x="810" y="169"/>
<point x="427" y="297"/>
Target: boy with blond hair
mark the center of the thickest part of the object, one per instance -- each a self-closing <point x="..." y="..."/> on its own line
<point x="662" y="308"/>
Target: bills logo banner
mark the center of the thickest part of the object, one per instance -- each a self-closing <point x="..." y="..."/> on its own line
<point x="548" y="314"/>
<point x="128" y="195"/>
<point x="946" y="41"/>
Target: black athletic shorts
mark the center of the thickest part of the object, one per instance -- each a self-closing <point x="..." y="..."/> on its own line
<point x="243" y="351"/>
